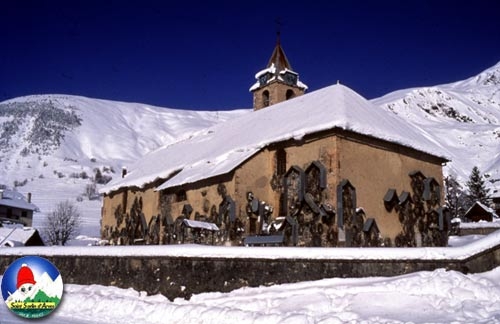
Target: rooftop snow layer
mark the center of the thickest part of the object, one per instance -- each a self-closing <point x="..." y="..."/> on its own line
<point x="220" y="148"/>
<point x="14" y="199"/>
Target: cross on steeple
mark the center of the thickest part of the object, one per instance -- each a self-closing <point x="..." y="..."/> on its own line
<point x="278" y="29"/>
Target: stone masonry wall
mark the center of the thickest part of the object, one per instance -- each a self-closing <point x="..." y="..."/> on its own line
<point x="183" y="276"/>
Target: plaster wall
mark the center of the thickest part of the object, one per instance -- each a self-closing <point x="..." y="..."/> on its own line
<point x="277" y="93"/>
<point x="373" y="170"/>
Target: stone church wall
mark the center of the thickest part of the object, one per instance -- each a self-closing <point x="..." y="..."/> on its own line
<point x="373" y="169"/>
<point x="371" y="166"/>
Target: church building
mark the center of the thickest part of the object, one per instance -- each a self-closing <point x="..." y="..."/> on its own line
<point x="326" y="168"/>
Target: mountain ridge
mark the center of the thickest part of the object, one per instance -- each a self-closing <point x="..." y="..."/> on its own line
<point x="105" y="136"/>
<point x="464" y="117"/>
<point x="76" y="135"/>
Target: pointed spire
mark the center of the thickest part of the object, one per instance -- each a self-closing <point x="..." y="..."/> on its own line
<point x="278" y="57"/>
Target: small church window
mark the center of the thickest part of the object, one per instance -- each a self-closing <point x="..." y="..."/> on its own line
<point x="265" y="98"/>
<point x="280" y="162"/>
<point x="124" y="201"/>
<point x="290" y="94"/>
<point x="180" y="196"/>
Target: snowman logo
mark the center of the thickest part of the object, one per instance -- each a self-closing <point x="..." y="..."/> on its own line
<point x="25" y="285"/>
<point x="32" y="287"/>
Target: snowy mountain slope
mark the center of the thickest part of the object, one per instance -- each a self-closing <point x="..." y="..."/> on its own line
<point x="51" y="145"/>
<point x="104" y="130"/>
<point x="464" y="117"/>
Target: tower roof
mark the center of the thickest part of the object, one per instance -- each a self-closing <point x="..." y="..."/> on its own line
<point x="279" y="58"/>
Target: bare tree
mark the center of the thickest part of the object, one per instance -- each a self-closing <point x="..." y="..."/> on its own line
<point x="91" y="190"/>
<point x="63" y="223"/>
<point x="454" y="197"/>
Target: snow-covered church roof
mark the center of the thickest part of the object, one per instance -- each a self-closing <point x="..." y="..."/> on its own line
<point x="221" y="148"/>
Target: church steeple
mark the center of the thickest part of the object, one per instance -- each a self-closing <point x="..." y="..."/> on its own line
<point x="278" y="58"/>
<point x="277" y="82"/>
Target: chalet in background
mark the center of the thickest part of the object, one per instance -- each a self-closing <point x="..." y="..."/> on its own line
<point x="15" y="208"/>
<point x="479" y="212"/>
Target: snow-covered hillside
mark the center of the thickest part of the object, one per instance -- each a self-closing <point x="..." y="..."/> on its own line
<point x="51" y="145"/>
<point x="464" y="117"/>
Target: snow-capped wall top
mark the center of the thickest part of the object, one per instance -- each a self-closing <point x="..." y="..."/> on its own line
<point x="219" y="149"/>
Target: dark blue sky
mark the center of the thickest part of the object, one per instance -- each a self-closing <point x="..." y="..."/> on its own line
<point x="204" y="54"/>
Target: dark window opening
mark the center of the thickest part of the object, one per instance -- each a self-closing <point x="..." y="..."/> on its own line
<point x="280" y="162"/>
<point x="290" y="94"/>
<point x="180" y="196"/>
<point x="265" y="98"/>
<point x="124" y="201"/>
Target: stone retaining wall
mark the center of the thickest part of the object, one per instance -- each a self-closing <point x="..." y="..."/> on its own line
<point x="183" y="276"/>
<point x="477" y="230"/>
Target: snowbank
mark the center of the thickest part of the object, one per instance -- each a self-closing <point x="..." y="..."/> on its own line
<point x="424" y="297"/>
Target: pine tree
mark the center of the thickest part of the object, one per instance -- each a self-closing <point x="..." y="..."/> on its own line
<point x="477" y="190"/>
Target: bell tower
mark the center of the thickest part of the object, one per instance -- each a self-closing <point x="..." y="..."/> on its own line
<point x="277" y="82"/>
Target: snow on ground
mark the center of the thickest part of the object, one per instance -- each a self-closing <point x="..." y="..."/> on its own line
<point x="425" y="297"/>
<point x="438" y="296"/>
<point x="459" y="250"/>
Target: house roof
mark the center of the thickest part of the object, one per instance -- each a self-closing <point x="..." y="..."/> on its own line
<point x="483" y="207"/>
<point x="14" y="199"/>
<point x="16" y="236"/>
<point x="221" y="148"/>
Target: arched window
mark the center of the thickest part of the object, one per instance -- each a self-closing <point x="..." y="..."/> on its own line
<point x="265" y="98"/>
<point x="290" y="94"/>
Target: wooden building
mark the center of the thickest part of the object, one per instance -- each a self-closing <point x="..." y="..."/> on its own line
<point x="327" y="168"/>
<point x="479" y="212"/>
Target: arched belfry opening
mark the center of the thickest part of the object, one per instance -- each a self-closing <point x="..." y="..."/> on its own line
<point x="265" y="98"/>
<point x="277" y="82"/>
